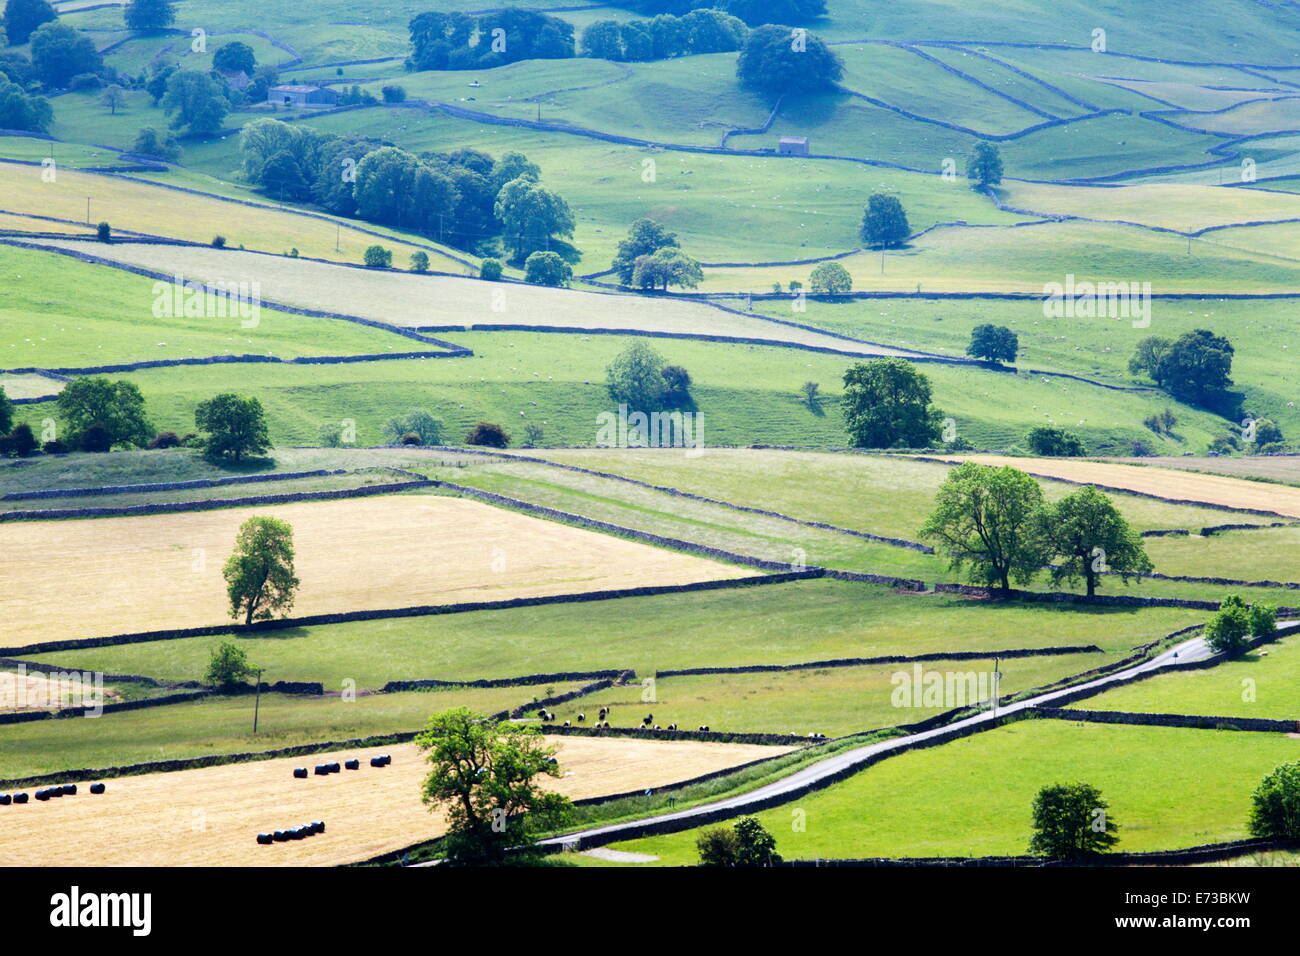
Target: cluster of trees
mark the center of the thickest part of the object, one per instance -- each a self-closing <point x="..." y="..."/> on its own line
<point x="466" y="41"/>
<point x="775" y="63"/>
<point x="16" y="441"/>
<point x="744" y="843"/>
<point x="1235" y="624"/>
<point x="1051" y="442"/>
<point x="995" y="524"/>
<point x="641" y="379"/>
<point x="650" y="258"/>
<point x="464" y="198"/>
<point x="753" y="12"/>
<point x="699" y="31"/>
<point x="1194" y="368"/>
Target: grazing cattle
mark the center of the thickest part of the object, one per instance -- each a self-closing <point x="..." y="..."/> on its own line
<point x="648" y="719"/>
<point x="581" y="718"/>
<point x="672" y="726"/>
<point x="604" y="712"/>
<point x="704" y="727"/>
<point x="568" y="724"/>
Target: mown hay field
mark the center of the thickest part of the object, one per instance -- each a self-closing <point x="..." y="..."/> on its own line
<point x="146" y="207"/>
<point x="1190" y="486"/>
<point x="211" y="816"/>
<point x="90" y="577"/>
<point x="415" y="301"/>
<point x="29" y="386"/>
<point x="1182" y="207"/>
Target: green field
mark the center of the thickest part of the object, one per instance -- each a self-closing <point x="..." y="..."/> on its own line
<point x="768" y="624"/>
<point x="1261" y="684"/>
<point x="223" y="725"/>
<point x="972" y="797"/>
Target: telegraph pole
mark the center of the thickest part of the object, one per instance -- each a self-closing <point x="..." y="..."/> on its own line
<point x="257" y="700"/>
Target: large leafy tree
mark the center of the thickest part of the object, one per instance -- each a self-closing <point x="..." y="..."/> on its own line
<point x="635" y="377"/>
<point x="260" y="579"/>
<point x="830" y="278"/>
<point x="1195" y="368"/>
<point x="887" y="405"/>
<point x="984" y="168"/>
<point x="195" y="100"/>
<point x="775" y="61"/>
<point x="20" y="110"/>
<point x="884" y="222"/>
<point x="1071" y="822"/>
<point x="149" y="16"/>
<point x="235" y="57"/>
<point x="59" y="53"/>
<point x="987" y="520"/>
<point x="993" y="343"/>
<point x="1089" y="535"/>
<point x="644" y="238"/>
<point x="116" y="407"/>
<point x="22" y="17"/>
<point x="236" y="427"/>
<point x="666" y="267"/>
<point x="484" y="777"/>
<point x="547" y="268"/>
<point x="531" y="216"/>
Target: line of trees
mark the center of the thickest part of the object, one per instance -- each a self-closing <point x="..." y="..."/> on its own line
<point x="650" y="258"/>
<point x="664" y="37"/>
<point x="752" y="12"/>
<point x="465" y="41"/>
<point x="464" y="198"/>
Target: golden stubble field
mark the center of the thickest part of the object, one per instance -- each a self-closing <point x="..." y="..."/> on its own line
<point x="1166" y="482"/>
<point x="211" y="816"/>
<point x="96" y="577"/>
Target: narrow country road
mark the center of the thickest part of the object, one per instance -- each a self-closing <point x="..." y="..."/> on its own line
<point x="1191" y="650"/>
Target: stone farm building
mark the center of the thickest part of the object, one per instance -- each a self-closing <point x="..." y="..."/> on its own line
<point x="793" y="146"/>
<point x="302" y="96"/>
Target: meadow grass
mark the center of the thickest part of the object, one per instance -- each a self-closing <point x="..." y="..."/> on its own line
<point x="1260" y="684"/>
<point x="1166" y="788"/>
<point x="63" y="313"/>
<point x="831" y="701"/>
<point x="223" y="725"/>
<point x="789" y="623"/>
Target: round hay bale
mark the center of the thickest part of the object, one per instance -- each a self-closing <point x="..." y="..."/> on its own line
<point x="321" y="769"/>
<point x="376" y="761"/>
<point x="54" y="791"/>
<point x="265" y="839"/>
<point x="279" y="836"/>
<point x="5" y="799"/>
<point x="353" y="764"/>
<point x="42" y="795"/>
<point x="320" y="826"/>
<point x="20" y="798"/>
<point x="69" y="789"/>
<point x="97" y="788"/>
<point x="300" y="773"/>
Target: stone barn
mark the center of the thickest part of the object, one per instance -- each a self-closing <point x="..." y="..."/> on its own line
<point x="297" y="96"/>
<point x="793" y="146"/>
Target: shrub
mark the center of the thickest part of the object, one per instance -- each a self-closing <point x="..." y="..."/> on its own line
<point x="419" y="261"/>
<point x="411" y="438"/>
<point x="218" y="242"/>
<point x="490" y="269"/>
<point x="754" y="845"/>
<point x="96" y="438"/>
<point x="1054" y="442"/>
<point x="55" y="447"/>
<point x="532" y="435"/>
<point x="1275" y="805"/>
<point x="488" y="434"/>
<point x="677" y="384"/>
<point x="21" y="442"/>
<point x="165" y="440"/>
<point x="394" y="94"/>
<point x="1227" y="629"/>
<point x="331" y="435"/>
<point x="810" y="390"/>
<point x="228" y="666"/>
<point x="377" y="257"/>
<point x="717" y="847"/>
<point x="104" y="232"/>
<point x="1262" y="620"/>
<point x="418" y="422"/>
